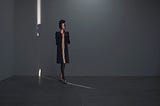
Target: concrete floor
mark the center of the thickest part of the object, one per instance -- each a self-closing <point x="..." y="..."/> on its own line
<point x="82" y="91"/>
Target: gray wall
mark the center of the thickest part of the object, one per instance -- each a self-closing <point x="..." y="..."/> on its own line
<point x="25" y="38"/>
<point x="7" y="38"/>
<point x="108" y="37"/>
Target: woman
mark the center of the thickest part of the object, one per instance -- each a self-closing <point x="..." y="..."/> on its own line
<point x="62" y="41"/>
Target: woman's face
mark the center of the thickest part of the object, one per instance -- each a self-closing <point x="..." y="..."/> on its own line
<point x="63" y="26"/>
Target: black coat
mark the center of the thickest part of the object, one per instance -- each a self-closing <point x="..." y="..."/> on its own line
<point x="58" y="38"/>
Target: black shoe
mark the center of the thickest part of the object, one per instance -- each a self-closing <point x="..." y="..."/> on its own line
<point x="63" y="81"/>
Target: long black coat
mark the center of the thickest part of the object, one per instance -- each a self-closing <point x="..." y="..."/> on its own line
<point x="58" y="38"/>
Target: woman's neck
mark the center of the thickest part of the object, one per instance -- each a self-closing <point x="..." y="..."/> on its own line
<point x="62" y="30"/>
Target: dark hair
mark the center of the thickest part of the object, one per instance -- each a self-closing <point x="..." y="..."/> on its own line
<point x="60" y="23"/>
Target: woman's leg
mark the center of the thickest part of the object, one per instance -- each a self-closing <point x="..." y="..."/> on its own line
<point x="62" y="71"/>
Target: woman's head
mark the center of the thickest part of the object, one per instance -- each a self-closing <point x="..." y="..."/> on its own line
<point x="62" y="24"/>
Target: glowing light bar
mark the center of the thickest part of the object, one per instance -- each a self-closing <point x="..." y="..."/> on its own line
<point x="39" y="73"/>
<point x="38" y="12"/>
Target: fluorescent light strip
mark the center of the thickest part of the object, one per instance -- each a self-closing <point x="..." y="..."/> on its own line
<point x="38" y="12"/>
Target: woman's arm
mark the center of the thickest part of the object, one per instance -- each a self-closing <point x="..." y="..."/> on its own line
<point x="68" y="38"/>
<point x="57" y="38"/>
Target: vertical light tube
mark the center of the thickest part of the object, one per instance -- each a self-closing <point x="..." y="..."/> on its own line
<point x="38" y="12"/>
<point x="38" y="31"/>
<point x="39" y="73"/>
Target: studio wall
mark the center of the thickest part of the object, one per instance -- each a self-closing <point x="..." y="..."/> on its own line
<point x="7" y="46"/>
<point x="108" y="37"/>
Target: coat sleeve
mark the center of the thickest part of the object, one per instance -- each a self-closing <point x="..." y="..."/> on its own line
<point x="68" y="38"/>
<point x="57" y="38"/>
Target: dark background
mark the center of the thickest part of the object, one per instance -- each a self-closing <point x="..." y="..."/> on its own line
<point x="108" y="37"/>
